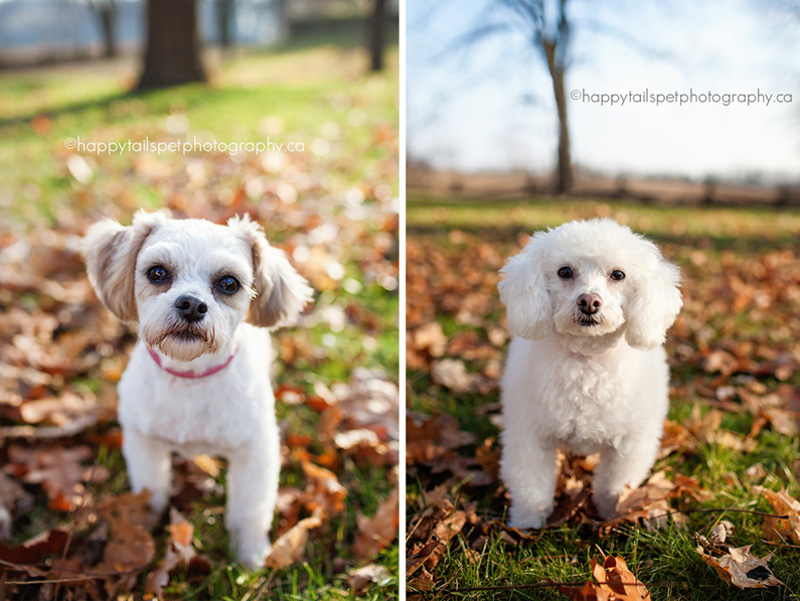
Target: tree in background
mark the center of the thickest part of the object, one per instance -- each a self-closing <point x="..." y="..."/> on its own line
<point x="224" y="20"/>
<point x="551" y="34"/>
<point x="173" y="50"/>
<point x="545" y="25"/>
<point x="105" y="11"/>
<point x="377" y="35"/>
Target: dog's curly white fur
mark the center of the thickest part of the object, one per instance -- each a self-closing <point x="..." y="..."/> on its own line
<point x="190" y="285"/>
<point x="589" y="303"/>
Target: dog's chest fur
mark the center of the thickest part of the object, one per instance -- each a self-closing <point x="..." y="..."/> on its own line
<point x="589" y="403"/>
<point x="217" y="414"/>
<point x="578" y="403"/>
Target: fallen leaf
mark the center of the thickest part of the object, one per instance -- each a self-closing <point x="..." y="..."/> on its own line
<point x="323" y="490"/>
<point x="649" y="503"/>
<point x="57" y="469"/>
<point x="742" y="569"/>
<point x="614" y="582"/>
<point x="430" y="338"/>
<point x="429" y="438"/>
<point x="377" y="532"/>
<point x="359" y="578"/>
<point x="290" y="546"/>
<point x="720" y="532"/>
<point x="782" y="504"/>
<point x="453" y="374"/>
<point x="180" y="551"/>
<point x="33" y="551"/>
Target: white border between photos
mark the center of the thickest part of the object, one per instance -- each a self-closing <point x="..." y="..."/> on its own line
<point x="401" y="322"/>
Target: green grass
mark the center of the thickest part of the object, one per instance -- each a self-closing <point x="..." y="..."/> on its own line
<point x="736" y="238"/>
<point x="312" y="88"/>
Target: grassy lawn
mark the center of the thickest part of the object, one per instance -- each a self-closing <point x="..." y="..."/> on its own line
<point x="732" y="352"/>
<point x="332" y="207"/>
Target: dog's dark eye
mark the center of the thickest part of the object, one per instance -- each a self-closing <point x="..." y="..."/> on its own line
<point x="617" y="275"/>
<point x="157" y="274"/>
<point x="565" y="273"/>
<point x="229" y="284"/>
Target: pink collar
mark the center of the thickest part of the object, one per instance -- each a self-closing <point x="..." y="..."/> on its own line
<point x="191" y="374"/>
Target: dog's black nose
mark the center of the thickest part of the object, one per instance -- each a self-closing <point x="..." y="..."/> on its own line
<point x="190" y="307"/>
<point x="589" y="304"/>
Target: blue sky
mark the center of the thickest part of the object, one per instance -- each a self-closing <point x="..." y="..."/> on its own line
<point x="489" y="106"/>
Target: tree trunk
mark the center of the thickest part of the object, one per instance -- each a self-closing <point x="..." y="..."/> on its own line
<point x="377" y="35"/>
<point x="566" y="178"/>
<point x="172" y="56"/>
<point x="224" y="16"/>
<point x="106" y="14"/>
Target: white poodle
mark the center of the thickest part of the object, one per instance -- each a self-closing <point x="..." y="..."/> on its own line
<point x="198" y="379"/>
<point x="589" y="303"/>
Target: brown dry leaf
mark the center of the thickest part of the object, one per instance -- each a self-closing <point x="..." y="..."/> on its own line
<point x="179" y="552"/>
<point x="291" y="545"/>
<point x="429" y="337"/>
<point x="429" y="438"/>
<point x="675" y="438"/>
<point x="720" y="532"/>
<point x="488" y="457"/>
<point x="742" y="569"/>
<point x="707" y="429"/>
<point x="359" y="578"/>
<point x="614" y="582"/>
<point x="378" y="531"/>
<point x="289" y="505"/>
<point x="130" y="547"/>
<point x="364" y="444"/>
<point x="131" y="508"/>
<point x="451" y="525"/>
<point x="453" y="374"/>
<point x="32" y="551"/>
<point x="782" y="504"/>
<point x="57" y="469"/>
<point x="783" y="421"/>
<point x="704" y="427"/>
<point x="720" y="361"/>
<point x="648" y="502"/>
<point x="59" y="411"/>
<point x="423" y="581"/>
<point x="323" y="490"/>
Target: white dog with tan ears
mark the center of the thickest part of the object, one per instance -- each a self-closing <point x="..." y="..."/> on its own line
<point x="589" y="303"/>
<point x="198" y="379"/>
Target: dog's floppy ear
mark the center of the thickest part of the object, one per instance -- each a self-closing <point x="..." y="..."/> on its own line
<point x="655" y="303"/>
<point x="280" y="292"/>
<point x="110" y="250"/>
<point x="523" y="290"/>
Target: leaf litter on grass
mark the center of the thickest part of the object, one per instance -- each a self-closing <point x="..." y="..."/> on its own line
<point x="456" y="339"/>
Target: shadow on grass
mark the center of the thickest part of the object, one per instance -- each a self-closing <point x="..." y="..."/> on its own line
<point x="346" y="34"/>
<point x="747" y="244"/>
<point x="554" y="211"/>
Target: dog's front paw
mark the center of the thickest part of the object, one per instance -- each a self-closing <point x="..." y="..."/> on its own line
<point x="523" y="519"/>
<point x="252" y="550"/>
<point x="606" y="504"/>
